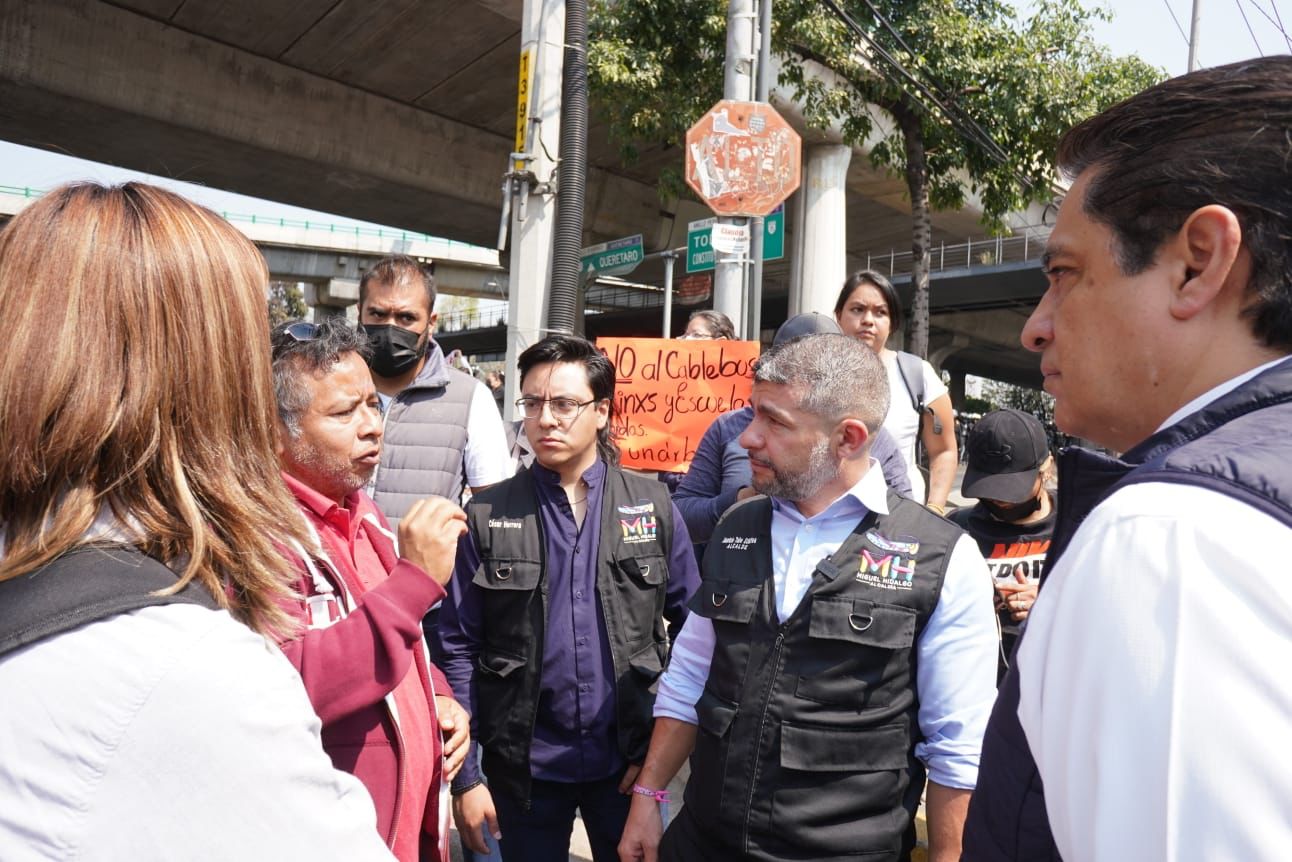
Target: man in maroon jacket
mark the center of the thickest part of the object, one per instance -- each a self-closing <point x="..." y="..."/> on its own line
<point x="383" y="704"/>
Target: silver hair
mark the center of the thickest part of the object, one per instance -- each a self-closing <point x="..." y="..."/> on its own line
<point x="293" y="359"/>
<point x="835" y="376"/>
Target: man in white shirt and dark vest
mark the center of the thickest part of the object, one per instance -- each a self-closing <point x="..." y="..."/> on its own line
<point x="1148" y="709"/>
<point x="841" y="643"/>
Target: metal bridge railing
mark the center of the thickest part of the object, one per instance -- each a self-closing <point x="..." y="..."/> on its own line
<point x="988" y="251"/>
<point x="460" y="321"/>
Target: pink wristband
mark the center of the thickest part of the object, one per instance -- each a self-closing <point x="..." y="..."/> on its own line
<point x="657" y="795"/>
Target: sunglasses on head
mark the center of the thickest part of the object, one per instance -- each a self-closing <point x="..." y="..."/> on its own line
<point x="303" y="331"/>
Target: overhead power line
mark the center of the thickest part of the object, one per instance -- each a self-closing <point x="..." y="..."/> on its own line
<point x="1250" y="31"/>
<point x="1277" y="24"/>
<point x="1183" y="35"/>
<point x="983" y="133"/>
<point x="952" y="113"/>
<point x="1275" y="7"/>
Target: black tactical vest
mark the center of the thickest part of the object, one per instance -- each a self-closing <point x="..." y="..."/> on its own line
<point x="632" y="583"/>
<point x="807" y="727"/>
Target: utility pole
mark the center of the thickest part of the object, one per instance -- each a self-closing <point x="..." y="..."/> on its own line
<point x="737" y="83"/>
<point x="1193" y="36"/>
<point x="754" y="307"/>
<point x="565" y="313"/>
<point x="529" y="202"/>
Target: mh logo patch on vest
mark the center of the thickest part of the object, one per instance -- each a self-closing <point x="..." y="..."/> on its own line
<point x="640" y="525"/>
<point x="891" y="564"/>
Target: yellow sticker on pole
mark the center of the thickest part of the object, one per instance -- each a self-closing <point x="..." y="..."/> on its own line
<point x="523" y="87"/>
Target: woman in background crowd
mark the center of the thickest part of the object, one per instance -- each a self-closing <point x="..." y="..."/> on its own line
<point x="868" y="309"/>
<point x="705" y="325"/>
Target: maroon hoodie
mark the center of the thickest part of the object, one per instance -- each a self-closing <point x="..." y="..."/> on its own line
<point x="370" y="640"/>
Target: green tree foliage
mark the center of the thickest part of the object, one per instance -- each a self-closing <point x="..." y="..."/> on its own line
<point x="285" y="302"/>
<point x="1002" y="396"/>
<point x="656" y="65"/>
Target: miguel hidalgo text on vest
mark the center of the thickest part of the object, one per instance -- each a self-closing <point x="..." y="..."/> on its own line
<point x="632" y="582"/>
<point x="807" y="726"/>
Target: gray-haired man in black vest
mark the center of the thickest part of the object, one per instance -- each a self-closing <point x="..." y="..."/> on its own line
<point x="842" y="642"/>
<point x="554" y="626"/>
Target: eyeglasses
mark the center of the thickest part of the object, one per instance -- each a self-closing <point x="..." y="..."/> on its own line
<point x="563" y="409"/>
<point x="303" y="331"/>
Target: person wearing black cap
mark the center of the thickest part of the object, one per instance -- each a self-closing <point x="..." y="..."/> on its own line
<point x="719" y="475"/>
<point x="1008" y="458"/>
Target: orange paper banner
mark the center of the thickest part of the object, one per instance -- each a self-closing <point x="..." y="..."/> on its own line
<point x="668" y="392"/>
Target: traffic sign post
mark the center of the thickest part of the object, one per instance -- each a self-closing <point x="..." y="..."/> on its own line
<point x="742" y="158"/>
<point x="699" y="248"/>
<point x="617" y="257"/>
<point x="774" y="234"/>
<point x="699" y="254"/>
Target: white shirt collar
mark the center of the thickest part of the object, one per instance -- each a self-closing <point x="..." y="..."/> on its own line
<point x="1212" y="394"/>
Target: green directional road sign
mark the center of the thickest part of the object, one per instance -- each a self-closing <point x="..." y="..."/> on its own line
<point x="699" y="254"/>
<point x="774" y="234"/>
<point x="617" y="257"/>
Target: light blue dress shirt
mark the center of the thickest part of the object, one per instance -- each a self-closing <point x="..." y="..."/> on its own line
<point x="955" y="656"/>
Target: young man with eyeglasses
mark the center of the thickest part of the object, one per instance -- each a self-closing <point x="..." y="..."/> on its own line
<point x="554" y="623"/>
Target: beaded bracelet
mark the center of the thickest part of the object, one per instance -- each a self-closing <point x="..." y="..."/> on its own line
<point x="657" y="795"/>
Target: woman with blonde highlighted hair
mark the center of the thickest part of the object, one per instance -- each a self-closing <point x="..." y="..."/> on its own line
<point x="138" y="478"/>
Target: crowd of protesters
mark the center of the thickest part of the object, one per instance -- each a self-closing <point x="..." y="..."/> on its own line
<point x="301" y="593"/>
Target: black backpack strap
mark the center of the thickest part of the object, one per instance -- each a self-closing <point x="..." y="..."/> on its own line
<point x="86" y="584"/>
<point x="909" y="365"/>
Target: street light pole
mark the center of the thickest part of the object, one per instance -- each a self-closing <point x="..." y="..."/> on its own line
<point x="1193" y="35"/>
<point x="529" y="204"/>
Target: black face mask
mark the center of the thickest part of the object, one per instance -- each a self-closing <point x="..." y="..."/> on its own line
<point x="1011" y="512"/>
<point x="394" y="349"/>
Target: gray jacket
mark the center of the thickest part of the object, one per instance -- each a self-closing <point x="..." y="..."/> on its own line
<point x="425" y="439"/>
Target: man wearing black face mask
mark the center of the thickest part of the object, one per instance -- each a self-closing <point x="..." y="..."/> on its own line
<point x="442" y="429"/>
<point x="1008" y="457"/>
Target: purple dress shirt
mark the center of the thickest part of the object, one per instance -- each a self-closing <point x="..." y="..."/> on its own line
<point x="575" y="727"/>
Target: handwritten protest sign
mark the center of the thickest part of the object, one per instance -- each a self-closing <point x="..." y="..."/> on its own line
<point x="668" y="392"/>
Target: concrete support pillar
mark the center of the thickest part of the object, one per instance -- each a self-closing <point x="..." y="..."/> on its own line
<point x="533" y="214"/>
<point x="820" y="262"/>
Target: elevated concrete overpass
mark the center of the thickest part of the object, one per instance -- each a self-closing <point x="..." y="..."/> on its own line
<point x="392" y="111"/>
<point x="331" y="258"/>
<point x="981" y="292"/>
<point x="399" y="112"/>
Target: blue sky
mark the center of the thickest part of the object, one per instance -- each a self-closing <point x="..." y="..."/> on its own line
<point x="1143" y="27"/>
